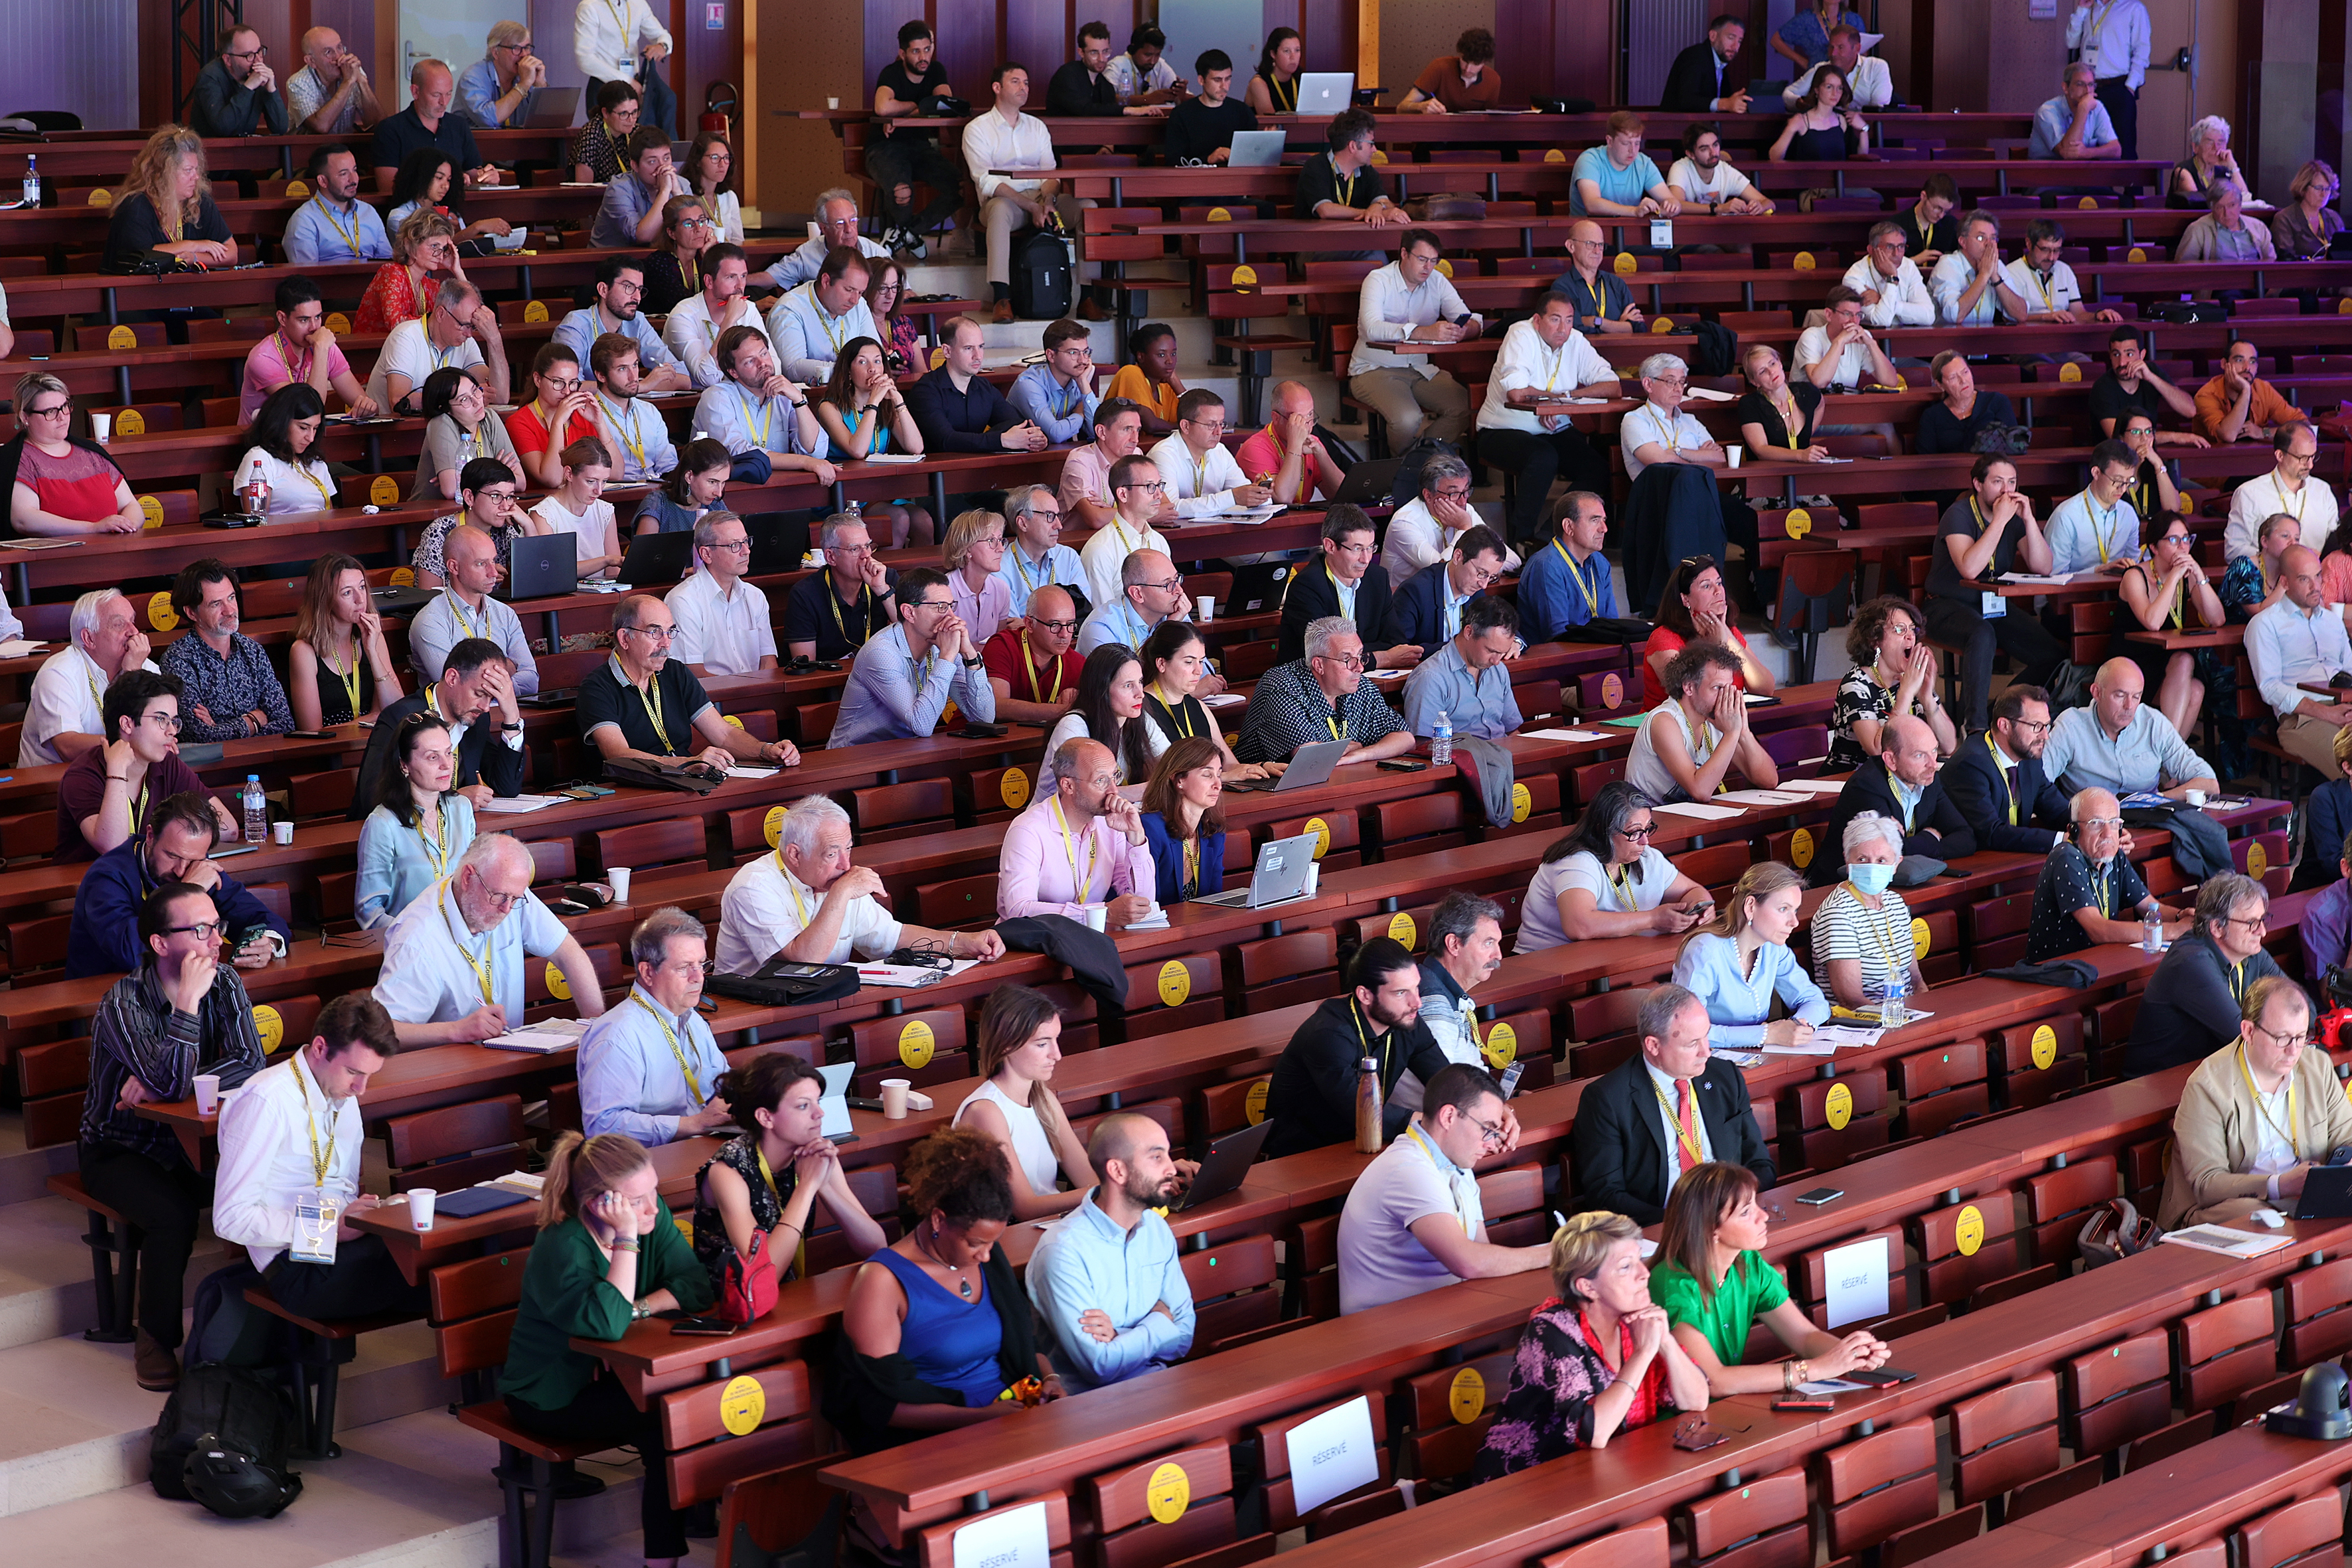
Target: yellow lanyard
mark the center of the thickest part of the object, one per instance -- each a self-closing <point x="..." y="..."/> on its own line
<point x="286" y="358"/>
<point x="792" y="889"/>
<point x="630" y="439"/>
<point x="864" y="607"/>
<point x="1895" y="966"/>
<point x="2261" y="1105"/>
<point x="1176" y="714"/>
<point x="2098" y="533"/>
<point x="323" y="1160"/>
<point x="649" y="694"/>
<point x="669" y="1037"/>
<point x="2301" y="498"/>
<point x="1079" y="881"/>
<point x="1668" y="426"/>
<point x="1345" y="193"/>
<point x="326" y="491"/>
<point x="2002" y="774"/>
<point x="1698" y="758"/>
<point x="1030" y="665"/>
<point x="97" y="695"/>
<point x="1191" y="867"/>
<point x="457" y="608"/>
<point x="1028" y="585"/>
<point x="1623" y="884"/>
<point x="826" y="324"/>
<point x="1200" y="474"/>
<point x="437" y="848"/>
<point x="351" y="237"/>
<point x="546" y="417"/>
<point x="2238" y="983"/>
<point x="766" y="410"/>
<point x="1673" y="1118"/>
<point x="350" y="678"/>
<point x="1386" y="1040"/>
<point x="480" y="966"/>
<point x="1592" y="599"/>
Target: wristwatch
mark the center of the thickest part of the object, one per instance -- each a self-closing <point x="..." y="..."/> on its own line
<point x="972" y="663"/>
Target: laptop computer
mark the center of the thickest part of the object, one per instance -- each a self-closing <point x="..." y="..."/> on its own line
<point x="1326" y="92"/>
<point x="1367" y="483"/>
<point x="657" y="560"/>
<point x="541" y="566"/>
<point x="1310" y="765"/>
<point x="1228" y="1161"/>
<point x="2327" y="1193"/>
<point x="555" y="109"/>
<point x="1279" y="876"/>
<point x="393" y="600"/>
<point x="777" y="547"/>
<point x="1257" y="587"/>
<point x="1257" y="149"/>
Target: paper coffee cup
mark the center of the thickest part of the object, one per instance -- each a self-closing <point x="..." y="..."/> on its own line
<point x="894" y="1098"/>
<point x="1095" y="915"/>
<point x="832" y="103"/>
<point x="282" y="832"/>
<point x="2197" y="797"/>
<point x="1732" y="455"/>
<point x="100" y="426"/>
<point x="1207" y="605"/>
<point x="207" y="1093"/>
<point x="619" y="877"/>
<point x="420" y="1207"/>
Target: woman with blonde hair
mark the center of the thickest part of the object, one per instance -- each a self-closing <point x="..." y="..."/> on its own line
<point x="974" y="556"/>
<point x="1597" y="1358"/>
<point x="1714" y="1284"/>
<point x="1019" y="1043"/>
<point x="2309" y="223"/>
<point x="608" y="1254"/>
<point x="340" y="666"/>
<point x="1739" y="961"/>
<point x="57" y="482"/>
<point x="165" y="204"/>
<point x="1776" y="417"/>
<point x="406" y="288"/>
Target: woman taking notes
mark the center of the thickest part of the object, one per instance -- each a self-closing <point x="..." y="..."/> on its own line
<point x="1738" y="963"/>
<point x="1020" y="1043"/>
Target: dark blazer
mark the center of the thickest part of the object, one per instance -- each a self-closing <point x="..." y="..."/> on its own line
<point x="104" y="939"/>
<point x="1417" y="610"/>
<point x="1869" y="790"/>
<point x="1981" y="795"/>
<point x="1311" y="595"/>
<point x="1618" y="1144"/>
<point x="482" y="756"/>
<point x="1690" y="81"/>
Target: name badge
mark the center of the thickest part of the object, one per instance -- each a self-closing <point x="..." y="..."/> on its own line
<point x="1661" y="233"/>
<point x="1995" y="606"/>
<point x="317" y="1215"/>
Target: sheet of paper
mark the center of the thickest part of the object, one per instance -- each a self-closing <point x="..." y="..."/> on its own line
<point x="834" y="1102"/>
<point x="1223" y="700"/>
<point x="2231" y="1242"/>
<point x="1707" y="394"/>
<point x="547" y="1035"/>
<point x="1814" y="786"/>
<point x="40" y="543"/>
<point x="1737" y="1058"/>
<point x="17" y="648"/>
<point x="1753" y="700"/>
<point x="1333" y="1455"/>
<point x="1856" y="1276"/>
<point x="904" y="975"/>
<point x="751" y="773"/>
<point x="1814" y="1048"/>
<point x="1566" y="734"/>
<point x="1852" y="1037"/>
<point x="2035" y="577"/>
<point x="1763" y="797"/>
<point x="521" y="803"/>
<point x="1015" y="1538"/>
<point x="1703" y="812"/>
<point x="892" y="458"/>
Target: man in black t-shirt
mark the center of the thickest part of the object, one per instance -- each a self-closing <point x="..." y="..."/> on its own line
<point x="1929" y="230"/>
<point x="829" y="616"/>
<point x="1083" y="86"/>
<point x="2131" y="383"/>
<point x="1958" y="599"/>
<point x="1201" y="129"/>
<point x="1342" y="186"/>
<point x="641" y="703"/>
<point x="902" y="157"/>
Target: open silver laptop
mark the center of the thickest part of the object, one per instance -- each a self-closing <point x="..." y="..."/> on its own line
<point x="554" y="108"/>
<point x="1279" y="876"/>
<point x="1326" y="92"/>
<point x="1311" y="764"/>
<point x="1257" y="149"/>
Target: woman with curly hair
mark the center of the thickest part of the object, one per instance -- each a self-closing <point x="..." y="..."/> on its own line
<point x="1893" y="672"/>
<point x="165" y="204"/>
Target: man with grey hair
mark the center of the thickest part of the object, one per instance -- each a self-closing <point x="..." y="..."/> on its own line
<point x="1422" y="532"/>
<point x="1893" y="293"/>
<point x="833" y="612"/>
<point x="2074" y="126"/>
<point x="834" y="217"/>
<point x="452" y="960"/>
<point x="724" y="628"/>
<point x="103" y="641"/>
<point x="641" y="703"/>
<point x="649" y="1067"/>
<point x="1150" y="591"/>
<point x="804" y="901"/>
<point x="1646" y="1122"/>
<point x="1660" y="431"/>
<point x="2191" y="1008"/>
<point x="1034" y="555"/>
<point x="1322" y="696"/>
<point x="2089" y="892"/>
<point x="1969" y="287"/>
<point x="1465" y="948"/>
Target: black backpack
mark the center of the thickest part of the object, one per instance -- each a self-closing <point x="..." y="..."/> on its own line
<point x="1406" y="483"/>
<point x="1041" y="275"/>
<point x="224" y="1440"/>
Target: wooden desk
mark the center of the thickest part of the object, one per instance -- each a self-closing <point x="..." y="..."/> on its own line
<point x="2214" y="638"/>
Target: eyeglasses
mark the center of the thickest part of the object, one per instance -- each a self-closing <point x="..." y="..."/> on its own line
<point x="1492" y="1134"/>
<point x="256" y="52"/>
<point x="1053" y="625"/>
<point x="167" y="723"/>
<point x="204" y="931"/>
<point x="2292" y="1042"/>
<point x="495" y="497"/>
<point x="2101" y="822"/>
<point x="1645" y="831"/>
<point x="1451" y="494"/>
<point x="932" y="605"/>
<point x="54" y="411"/>
<point x="743" y="544"/>
<point x="653" y="633"/>
<point x="501" y="901"/>
<point x="2251" y="923"/>
<point x="1344" y="660"/>
<point x="688" y="966"/>
<point x="1173" y="586"/>
<point x="2029" y="725"/>
<point x="1151" y="487"/>
<point x="1211" y="427"/>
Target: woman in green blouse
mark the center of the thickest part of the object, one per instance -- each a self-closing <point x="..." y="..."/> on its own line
<point x="1711" y="1277"/>
<point x="608" y="1253"/>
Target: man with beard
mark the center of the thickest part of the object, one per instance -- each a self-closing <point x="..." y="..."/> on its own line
<point x="1107" y="1280"/>
<point x="1997" y="782"/>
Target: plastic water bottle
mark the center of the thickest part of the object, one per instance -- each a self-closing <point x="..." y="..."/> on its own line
<point x="253" y="487"/>
<point x="32" y="181"/>
<point x="1441" y="740"/>
<point x="1892" y="1012"/>
<point x="256" y="811"/>
<point x="2152" y="932"/>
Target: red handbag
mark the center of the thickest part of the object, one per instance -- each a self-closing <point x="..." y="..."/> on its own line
<point x="747" y="1286"/>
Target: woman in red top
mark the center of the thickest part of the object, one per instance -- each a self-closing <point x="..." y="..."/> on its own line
<point x="1695" y="608"/>
<point x="56" y="484"/>
<point x="405" y="289"/>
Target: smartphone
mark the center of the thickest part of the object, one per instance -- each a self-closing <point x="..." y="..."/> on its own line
<point x="1402" y="766"/>
<point x="1804" y="1404"/>
<point x="306" y="734"/>
<point x="706" y="1328"/>
<point x="1883" y="1376"/>
<point x="1821" y="1196"/>
<point x="1510" y="1079"/>
<point x="861" y="1102"/>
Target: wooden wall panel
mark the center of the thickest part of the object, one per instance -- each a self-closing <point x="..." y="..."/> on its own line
<point x="1564" y="48"/>
<point x="965" y="32"/>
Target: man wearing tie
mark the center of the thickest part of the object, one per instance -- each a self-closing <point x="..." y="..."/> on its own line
<point x="1647" y="1121"/>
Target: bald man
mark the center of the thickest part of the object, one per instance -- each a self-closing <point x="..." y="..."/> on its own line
<point x="442" y="987"/>
<point x="1150" y="591"/>
<point x="2121" y="744"/>
<point x="1107" y="1280"/>
<point x="2088" y="891"/>
<point x="1900" y="783"/>
<point x="2297" y="644"/>
<point x="1287" y="455"/>
<point x="467" y="607"/>
<point x="428" y="121"/>
<point x="1079" y="850"/>
<point x="1602" y="301"/>
<point x="1032" y="666"/>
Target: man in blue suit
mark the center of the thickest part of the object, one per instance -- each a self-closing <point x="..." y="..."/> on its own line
<point x="104" y="937"/>
<point x="1996" y="780"/>
<point x="1428" y="609"/>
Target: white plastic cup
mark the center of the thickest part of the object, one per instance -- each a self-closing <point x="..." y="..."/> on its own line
<point x="619" y="877"/>
<point x="1207" y="603"/>
<point x="894" y="1098"/>
<point x="1731" y="454"/>
<point x="835" y="103"/>
<point x="1314" y="873"/>
<point x="2197" y="797"/>
<point x="100" y="426"/>
<point x="207" y="1093"/>
<point x="420" y="1207"/>
<point x="282" y="832"/>
<point x="1095" y="916"/>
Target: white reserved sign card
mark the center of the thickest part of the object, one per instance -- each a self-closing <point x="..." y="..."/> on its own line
<point x="1856" y="1277"/>
<point x="1015" y="1538"/>
<point x="1332" y="1455"/>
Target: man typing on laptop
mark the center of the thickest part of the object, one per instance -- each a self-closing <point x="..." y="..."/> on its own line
<point x="2255" y="1116"/>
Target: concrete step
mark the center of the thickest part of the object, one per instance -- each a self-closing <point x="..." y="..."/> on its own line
<point x="24" y="1172"/>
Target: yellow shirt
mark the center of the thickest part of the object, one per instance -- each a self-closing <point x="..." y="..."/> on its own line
<point x="1130" y="383"/>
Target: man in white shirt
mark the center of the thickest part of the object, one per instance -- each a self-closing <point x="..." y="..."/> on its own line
<point x="810" y="324"/>
<point x="2044" y="284"/>
<point x="617" y="309"/>
<point x="452" y="960"/>
<point x="273" y="1198"/>
<point x="1867" y="83"/>
<point x="1005" y="138"/>
<point x="1425" y="530"/>
<point x="1524" y="427"/>
<point x="1136" y="498"/>
<point x="2096" y="527"/>
<point x="1659" y="431"/>
<point x="1704" y="177"/>
<point x="1970" y="287"/>
<point x="612" y="40"/>
<point x="837" y="228"/>
<point x="62" y="719"/>
<point x="1888" y="281"/>
<point x="1202" y="477"/>
<point x="331" y="95"/>
<point x="2074" y="127"/>
<point x="649" y="1066"/>
<point x="467" y="607"/>
<point x="1034" y="555"/>
<point x="459" y="330"/>
<point x="1410" y="301"/>
<point x="2300" y="642"/>
<point x="697" y="322"/>
<point x="2288" y="487"/>
<point x="725" y="626"/>
<point x="807" y="903"/>
<point x="2113" y="36"/>
<point x="761" y="415"/>
<point x="1840" y="352"/>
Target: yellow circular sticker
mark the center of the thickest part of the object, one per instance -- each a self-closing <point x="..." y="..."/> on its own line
<point x="1554" y="155"/>
<point x="384" y="490"/>
<point x="1379" y="156"/>
<point x="2045" y="1048"/>
<point x="296" y="190"/>
<point x="122" y="337"/>
<point x="1802" y="262"/>
<point x="160" y="613"/>
<point x="1801" y="523"/>
<point x="734" y="720"/>
<point x="742" y="1404"/>
<point x="100" y="196"/>
<point x="1624" y="266"/>
<point x="1169" y="1493"/>
<point x="557" y="986"/>
<point x="2136" y="252"/>
<point x="1175" y="982"/>
<point x="1522" y="802"/>
<point x="1918" y="937"/>
<point x="950" y="716"/>
<point x="1013" y="788"/>
<point x="339" y="324"/>
<point x="1322" y="831"/>
<point x="1800" y="847"/>
<point x="1502" y="1047"/>
<point x="1244" y="275"/>
<point x="1970" y="1230"/>
<point x="2088" y="205"/>
<point x="404" y="577"/>
<point x="916" y="1043"/>
<point x="1465" y="1396"/>
<point x="269" y="1026"/>
<point x="772" y="827"/>
<point x="1660" y="326"/>
<point x="1838" y="1106"/>
<point x="152" y="511"/>
<point x="1254" y="1102"/>
<point x="1219" y="215"/>
<point x="2344" y="307"/>
<point x="130" y="422"/>
<point x="1612" y="691"/>
<point x="939" y="356"/>
<point x="2070" y="373"/>
<point x="1446" y="267"/>
<point x="536" y="310"/>
<point x="2256" y="861"/>
<point x="1401" y="927"/>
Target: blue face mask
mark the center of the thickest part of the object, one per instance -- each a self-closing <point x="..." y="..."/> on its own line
<point x="1871" y="880"/>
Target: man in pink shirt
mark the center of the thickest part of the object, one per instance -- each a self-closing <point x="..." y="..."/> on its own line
<point x="1287" y="455"/>
<point x="1081" y="847"/>
<point x="301" y="349"/>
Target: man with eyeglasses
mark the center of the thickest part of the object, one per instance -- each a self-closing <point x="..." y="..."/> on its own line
<point x="1058" y="392"/>
<point x="833" y="613"/>
<point x="2290" y="487"/>
<point x="475" y="696"/>
<point x="631" y="212"/>
<point x="2095" y="528"/>
<point x="1133" y="499"/>
<point x="1410" y="301"/>
<point x="467" y="605"/>
<point x="1346" y="583"/>
<point x="1424" y="532"/>
<point x="905" y="677"/>
<point x="2045" y="284"/>
<point x="1202" y="477"/>
<point x="1429" y="607"/>
<point x="649" y="1068"/>
<point x="838" y="227"/>
<point x="2089" y="892"/>
<point x="237" y="92"/>
<point x="1892" y="292"/>
<point x="1568" y="581"/>
<point x="2239" y="406"/>
<point x="1034" y="555"/>
<point x="1900" y="784"/>
<point x="1033" y="666"/>
<point x="1602" y="303"/>
<point x="459" y="330"/>
<point x="632" y="431"/>
<point x="62" y="719"/>
<point x="763" y="416"/>
<point x="2256" y="1115"/>
<point x="452" y="960"/>
<point x="724" y="628"/>
<point x="172" y="845"/>
<point x="1840" y="352"/>
<point x="1150" y="591"/>
<point x="1996" y="780"/>
<point x="643" y="702"/>
<point x="696" y="323"/>
<point x="2298" y="648"/>
<point x="1524" y="425"/>
<point x="106" y="793"/>
<point x="1321" y="697"/>
<point x="620" y="293"/>
<point x="334" y="227"/>
<point x="499" y="90"/>
<point x="231" y="691"/>
<point x="2192" y="1008"/>
<point x="1676" y="1105"/>
<point x="331" y="95"/>
<point x="180" y="1013"/>
<point x="2122" y="745"/>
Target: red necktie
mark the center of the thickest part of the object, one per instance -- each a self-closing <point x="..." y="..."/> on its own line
<point x="1688" y="1144"/>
